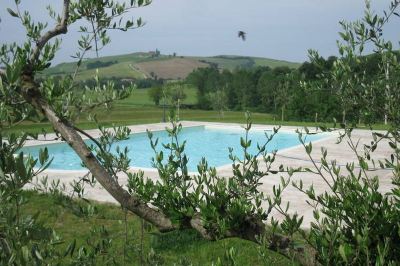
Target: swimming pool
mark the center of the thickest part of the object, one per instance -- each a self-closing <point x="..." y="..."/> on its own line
<point x="202" y="141"/>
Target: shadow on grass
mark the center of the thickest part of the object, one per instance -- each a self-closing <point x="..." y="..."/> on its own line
<point x="176" y="240"/>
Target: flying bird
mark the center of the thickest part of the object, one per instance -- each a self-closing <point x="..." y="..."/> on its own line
<point x="242" y="34"/>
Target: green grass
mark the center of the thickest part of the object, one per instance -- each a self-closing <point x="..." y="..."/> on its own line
<point x="119" y="70"/>
<point x="274" y="63"/>
<point x="134" y="111"/>
<point x="58" y="213"/>
<point x="125" y="113"/>
<point x="233" y="62"/>
<point x="225" y="63"/>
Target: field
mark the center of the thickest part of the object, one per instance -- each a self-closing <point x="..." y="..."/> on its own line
<point x="141" y="65"/>
<point x="176" y="68"/>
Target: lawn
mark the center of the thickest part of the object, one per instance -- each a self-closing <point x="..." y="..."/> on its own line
<point x="172" y="248"/>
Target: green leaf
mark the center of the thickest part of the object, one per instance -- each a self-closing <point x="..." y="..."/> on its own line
<point x="344" y="36"/>
<point x="342" y="253"/>
<point x="363" y="164"/>
<point x="38" y="256"/>
<point x="12" y="13"/>
<point x="243" y="142"/>
<point x="21" y="169"/>
<point x="309" y="148"/>
<point x="25" y="253"/>
<point x="43" y="156"/>
<point x="392" y="145"/>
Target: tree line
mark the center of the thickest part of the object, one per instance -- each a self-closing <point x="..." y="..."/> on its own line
<point x="100" y="64"/>
<point x="280" y="91"/>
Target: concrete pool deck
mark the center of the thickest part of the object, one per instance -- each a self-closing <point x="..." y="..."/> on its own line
<point x="291" y="157"/>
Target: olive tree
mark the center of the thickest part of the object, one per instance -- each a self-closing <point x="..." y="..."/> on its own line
<point x="177" y="94"/>
<point x="219" y="101"/>
<point x="355" y="223"/>
<point x="217" y="207"/>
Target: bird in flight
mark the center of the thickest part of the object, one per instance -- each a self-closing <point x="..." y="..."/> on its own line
<point x="242" y="34"/>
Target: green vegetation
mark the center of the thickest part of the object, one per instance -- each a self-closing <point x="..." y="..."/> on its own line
<point x="118" y="70"/>
<point x="282" y="91"/>
<point x="273" y="63"/>
<point x="139" y="108"/>
<point x="122" y="67"/>
<point x="61" y="214"/>
<point x="232" y="62"/>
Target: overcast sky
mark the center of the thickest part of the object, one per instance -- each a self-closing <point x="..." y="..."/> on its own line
<point x="280" y="29"/>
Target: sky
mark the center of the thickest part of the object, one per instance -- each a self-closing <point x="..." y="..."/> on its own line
<point x="279" y="29"/>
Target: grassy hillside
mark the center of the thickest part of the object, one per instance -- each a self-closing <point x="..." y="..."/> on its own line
<point x="232" y="62"/>
<point x="146" y="65"/>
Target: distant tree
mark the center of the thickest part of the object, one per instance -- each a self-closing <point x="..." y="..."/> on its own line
<point x="330" y="61"/>
<point x="282" y="99"/>
<point x="153" y="75"/>
<point x="266" y="87"/>
<point x="219" y="101"/>
<point x="246" y="88"/>
<point x="176" y="93"/>
<point x="100" y="64"/>
<point x="205" y="80"/>
<point x="284" y="94"/>
<point x="309" y="70"/>
<point x="156" y="94"/>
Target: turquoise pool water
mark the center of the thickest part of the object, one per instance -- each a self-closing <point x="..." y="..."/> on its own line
<point x="210" y="143"/>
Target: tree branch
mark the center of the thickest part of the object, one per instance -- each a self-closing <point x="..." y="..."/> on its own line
<point x="31" y="93"/>
<point x="60" y="28"/>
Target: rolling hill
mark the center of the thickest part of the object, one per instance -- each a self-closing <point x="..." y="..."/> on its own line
<point x="151" y="65"/>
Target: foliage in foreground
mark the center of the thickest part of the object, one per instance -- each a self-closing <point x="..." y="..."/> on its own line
<point x="354" y="221"/>
<point x="49" y="226"/>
